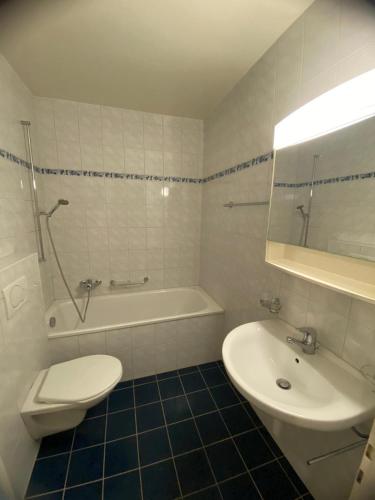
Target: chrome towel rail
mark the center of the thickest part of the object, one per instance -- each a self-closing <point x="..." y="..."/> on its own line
<point x="334" y="453"/>
<point x="115" y="283"/>
<point x="231" y="204"/>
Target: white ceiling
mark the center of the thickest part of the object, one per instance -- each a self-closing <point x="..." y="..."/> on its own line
<point x="178" y="57"/>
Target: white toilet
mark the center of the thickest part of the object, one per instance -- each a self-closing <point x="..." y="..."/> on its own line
<point x="61" y="395"/>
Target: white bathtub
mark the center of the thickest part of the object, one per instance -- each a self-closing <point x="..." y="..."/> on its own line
<point x="150" y="332"/>
<point x="113" y="312"/>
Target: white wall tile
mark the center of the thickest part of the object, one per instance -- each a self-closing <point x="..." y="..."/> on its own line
<point x="92" y="343"/>
<point x="119" y="344"/>
<point x="63" y="349"/>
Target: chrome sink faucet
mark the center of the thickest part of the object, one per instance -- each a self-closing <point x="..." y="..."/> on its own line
<point x="309" y="342"/>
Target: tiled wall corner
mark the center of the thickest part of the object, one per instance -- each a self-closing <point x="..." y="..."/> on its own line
<point x="23" y="352"/>
<point x="23" y="339"/>
<point x="330" y="43"/>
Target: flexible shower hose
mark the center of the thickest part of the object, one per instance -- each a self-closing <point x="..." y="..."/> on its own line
<point x="81" y="316"/>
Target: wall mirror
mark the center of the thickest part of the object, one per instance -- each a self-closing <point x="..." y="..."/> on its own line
<point x="322" y="212"/>
<point x="324" y="193"/>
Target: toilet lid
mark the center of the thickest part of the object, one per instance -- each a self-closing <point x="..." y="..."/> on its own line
<point x="79" y="379"/>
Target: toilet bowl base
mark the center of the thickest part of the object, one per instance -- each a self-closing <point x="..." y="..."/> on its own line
<point x="42" y="425"/>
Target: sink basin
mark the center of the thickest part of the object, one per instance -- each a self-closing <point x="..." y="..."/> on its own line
<point x="320" y="392"/>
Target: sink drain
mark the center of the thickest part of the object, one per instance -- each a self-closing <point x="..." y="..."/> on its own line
<point x="283" y="383"/>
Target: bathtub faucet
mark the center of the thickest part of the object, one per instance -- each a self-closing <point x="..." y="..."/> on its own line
<point x="90" y="284"/>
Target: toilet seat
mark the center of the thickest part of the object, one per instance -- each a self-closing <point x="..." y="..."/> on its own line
<point x="80" y="379"/>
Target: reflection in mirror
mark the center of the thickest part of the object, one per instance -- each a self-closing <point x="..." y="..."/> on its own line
<point x="324" y="193"/>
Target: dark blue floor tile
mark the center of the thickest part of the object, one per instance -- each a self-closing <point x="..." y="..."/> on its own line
<point x="272" y="483"/>
<point x="149" y="417"/>
<point x="145" y="380"/>
<point x="89" y="432"/>
<point x="189" y="369"/>
<point x="124" y="385"/>
<point x="121" y="424"/>
<point x="225" y="460"/>
<point x="237" y="419"/>
<point x="193" y="471"/>
<point x="56" y="443"/>
<point x="193" y="382"/>
<point x="206" y="366"/>
<point x="121" y="456"/>
<point x="121" y="400"/>
<point x="97" y="410"/>
<point x="214" y="376"/>
<point x="271" y="443"/>
<point x="240" y="488"/>
<point x="201" y="402"/>
<point x="176" y="409"/>
<point x="254" y="417"/>
<point x="253" y="449"/>
<point x="153" y="446"/>
<point x="146" y="393"/>
<point x="293" y="476"/>
<point x="92" y="491"/>
<point x="211" y="493"/>
<point x="85" y="465"/>
<point x="224" y="395"/>
<point x="211" y="428"/>
<point x="165" y="375"/>
<point x="123" y="486"/>
<point x="48" y="474"/>
<point x="159" y="481"/>
<point x="57" y="495"/>
<point x="238" y="394"/>
<point x="170" y="388"/>
<point x="220" y="363"/>
<point x="184" y="437"/>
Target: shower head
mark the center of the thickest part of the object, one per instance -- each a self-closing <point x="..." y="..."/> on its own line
<point x="301" y="209"/>
<point x="59" y="202"/>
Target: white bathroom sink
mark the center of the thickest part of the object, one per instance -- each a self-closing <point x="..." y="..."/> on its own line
<point x="325" y="394"/>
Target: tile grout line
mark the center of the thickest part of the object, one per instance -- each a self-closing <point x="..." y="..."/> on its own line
<point x="169" y="441"/>
<point x="233" y="441"/>
<point x="105" y="446"/>
<point x="155" y="429"/>
<point x="269" y="447"/>
<point x="290" y="480"/>
<point x="273" y="453"/>
<point x="201" y="440"/>
<point x="152" y="402"/>
<point x="158" y="462"/>
<point x="69" y="460"/>
<point x="136" y="438"/>
<point x="166" y="427"/>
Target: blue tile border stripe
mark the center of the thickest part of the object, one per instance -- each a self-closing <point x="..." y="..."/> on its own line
<point x="186" y="180"/>
<point x="119" y="175"/>
<point x="329" y="180"/>
<point x="13" y="158"/>
<point x="240" y="167"/>
<point x="145" y="177"/>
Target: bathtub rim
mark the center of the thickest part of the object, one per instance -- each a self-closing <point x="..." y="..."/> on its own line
<point x="213" y="308"/>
